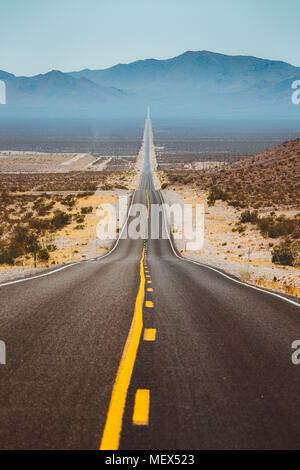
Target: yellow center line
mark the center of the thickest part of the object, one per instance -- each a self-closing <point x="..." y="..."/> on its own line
<point x="114" y="420"/>
<point x="141" y="408"/>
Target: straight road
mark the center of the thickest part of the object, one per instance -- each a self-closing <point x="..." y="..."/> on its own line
<point x="143" y="350"/>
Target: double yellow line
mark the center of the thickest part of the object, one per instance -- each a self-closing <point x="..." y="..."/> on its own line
<point x="113" y="427"/>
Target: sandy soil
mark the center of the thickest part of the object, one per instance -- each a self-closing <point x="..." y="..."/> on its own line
<point x="77" y="244"/>
<point x="30" y="162"/>
<point x="228" y="250"/>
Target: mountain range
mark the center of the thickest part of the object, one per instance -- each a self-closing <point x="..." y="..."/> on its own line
<point x="195" y="84"/>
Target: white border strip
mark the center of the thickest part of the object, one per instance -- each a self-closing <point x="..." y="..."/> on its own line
<point x="40" y="275"/>
<point x="216" y="270"/>
<point x="78" y="262"/>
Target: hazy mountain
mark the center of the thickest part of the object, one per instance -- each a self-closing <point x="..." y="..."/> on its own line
<point x="192" y="84"/>
<point x="57" y="91"/>
<point x="6" y="75"/>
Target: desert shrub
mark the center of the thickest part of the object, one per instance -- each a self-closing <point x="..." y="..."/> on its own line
<point x="296" y="234"/>
<point x="79" y="227"/>
<point x="6" y="258"/>
<point x="164" y="185"/>
<point x="296" y="253"/>
<point x="79" y="219"/>
<point x="264" y="225"/>
<point x="241" y="229"/>
<point x="27" y="216"/>
<point x="275" y="228"/>
<point x="234" y="203"/>
<point x="249" y="217"/>
<point x="69" y="201"/>
<point x="44" y="209"/>
<point x="237" y="204"/>
<point x="22" y="242"/>
<point x="40" y="225"/>
<point x="82" y="195"/>
<point x="216" y="194"/>
<point x="283" y="254"/>
<point x="86" y="210"/>
<point x="60" y="220"/>
<point x="43" y="254"/>
<point x="51" y="247"/>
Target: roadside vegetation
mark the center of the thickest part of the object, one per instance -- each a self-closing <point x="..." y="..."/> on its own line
<point x="26" y="221"/>
<point x="287" y="252"/>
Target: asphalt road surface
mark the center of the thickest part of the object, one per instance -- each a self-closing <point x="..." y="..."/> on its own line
<point x="143" y="350"/>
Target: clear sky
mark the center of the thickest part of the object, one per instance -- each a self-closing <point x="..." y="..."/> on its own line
<point x="40" y="35"/>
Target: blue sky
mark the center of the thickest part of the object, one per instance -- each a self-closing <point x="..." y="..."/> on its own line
<point x="40" y="35"/>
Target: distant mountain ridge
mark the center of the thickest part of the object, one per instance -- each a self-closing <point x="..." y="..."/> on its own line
<point x="195" y="67"/>
<point x="199" y="83"/>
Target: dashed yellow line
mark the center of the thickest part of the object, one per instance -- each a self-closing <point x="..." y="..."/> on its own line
<point x="141" y="408"/>
<point x="149" y="304"/>
<point x="113" y="426"/>
<point x="149" y="334"/>
<point x="149" y="289"/>
<point x="149" y="282"/>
